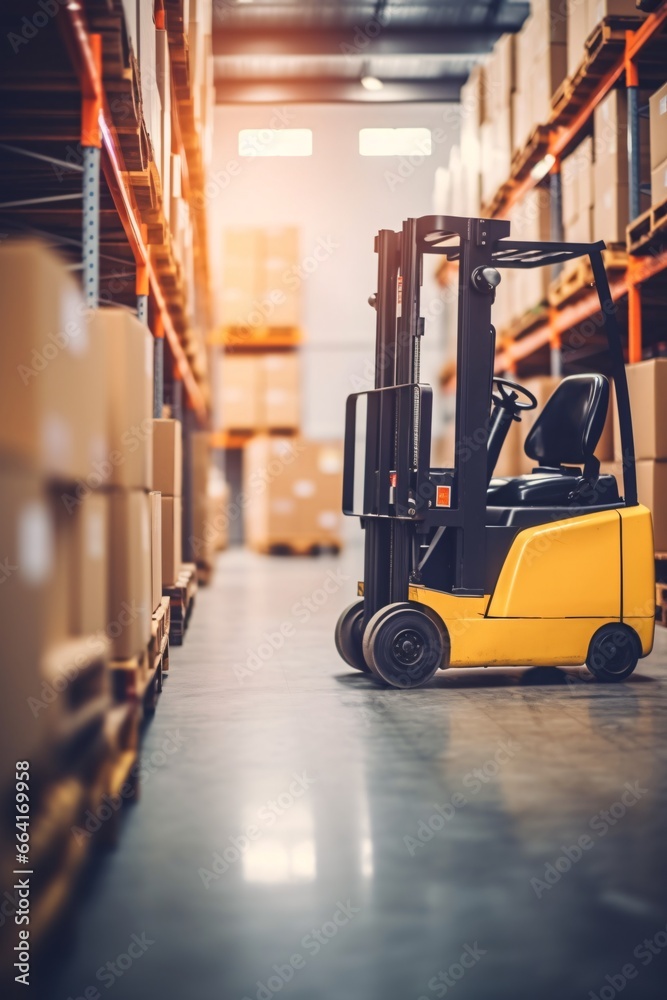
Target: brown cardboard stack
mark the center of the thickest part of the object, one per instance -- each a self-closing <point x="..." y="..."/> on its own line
<point x="496" y="127"/>
<point x="611" y="212"/>
<point x="472" y="116"/>
<point x="260" y="391"/>
<point x="293" y="489"/>
<point x="658" y="141"/>
<point x="261" y="278"/>
<point x="202" y="535"/>
<point x="521" y="290"/>
<point x="128" y="348"/>
<point x="168" y="480"/>
<point x="541" y="67"/>
<point x="578" y="185"/>
<point x="647" y="385"/>
<point x="53" y="447"/>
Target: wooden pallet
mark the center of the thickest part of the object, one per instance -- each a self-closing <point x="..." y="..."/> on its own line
<point x="139" y="678"/>
<point x="576" y="278"/>
<point x="181" y="597"/>
<point x="661" y="604"/>
<point x="528" y="320"/>
<point x="256" y="337"/>
<point x="648" y="233"/>
<point x="603" y="47"/>
<point x="315" y="547"/>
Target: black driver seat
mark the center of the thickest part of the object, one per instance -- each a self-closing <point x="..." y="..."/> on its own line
<point x="562" y="440"/>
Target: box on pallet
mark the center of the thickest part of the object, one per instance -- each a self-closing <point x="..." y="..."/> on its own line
<point x="652" y="492"/>
<point x="168" y="457"/>
<point x="577" y="179"/>
<point x="90" y="562"/>
<point x="41" y="663"/>
<point x="611" y="205"/>
<point x="647" y="386"/>
<point x="57" y="371"/>
<point x="260" y="391"/>
<point x="156" y="548"/>
<point x="294" y="491"/>
<point x="238" y="393"/>
<point x="129" y="605"/>
<point x="128" y="348"/>
<point x="172" y="515"/>
<point x="260" y="284"/>
<point x="658" y="126"/>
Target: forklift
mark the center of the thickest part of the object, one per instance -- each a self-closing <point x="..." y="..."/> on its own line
<point x="462" y="568"/>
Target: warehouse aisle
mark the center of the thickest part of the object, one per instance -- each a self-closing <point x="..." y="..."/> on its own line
<point x="304" y="833"/>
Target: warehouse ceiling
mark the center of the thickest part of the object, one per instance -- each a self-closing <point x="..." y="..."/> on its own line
<point x="269" y="51"/>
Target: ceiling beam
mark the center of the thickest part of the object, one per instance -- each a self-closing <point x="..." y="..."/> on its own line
<point x="309" y="91"/>
<point x="355" y="41"/>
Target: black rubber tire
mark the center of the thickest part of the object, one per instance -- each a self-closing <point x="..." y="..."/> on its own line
<point x="405" y="645"/>
<point x="613" y="653"/>
<point x="348" y="636"/>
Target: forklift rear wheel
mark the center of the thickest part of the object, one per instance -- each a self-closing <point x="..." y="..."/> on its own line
<point x="613" y="652"/>
<point x="348" y="636"/>
<point x="405" y="645"/>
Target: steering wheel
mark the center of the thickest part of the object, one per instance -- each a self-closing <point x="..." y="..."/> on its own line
<point x="506" y="397"/>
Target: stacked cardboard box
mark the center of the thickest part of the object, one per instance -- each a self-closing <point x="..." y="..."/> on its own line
<point x="541" y="67"/>
<point x="578" y="186"/>
<point x="53" y="621"/>
<point x="261" y="278"/>
<point x="658" y="143"/>
<point x="168" y="480"/>
<point x="260" y="391"/>
<point x="472" y="116"/>
<point x="293" y="493"/>
<point x="496" y="127"/>
<point x="647" y="385"/>
<point x="610" y="171"/>
<point x="127" y="346"/>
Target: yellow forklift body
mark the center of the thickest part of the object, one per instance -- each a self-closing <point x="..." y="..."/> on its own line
<point x="559" y="584"/>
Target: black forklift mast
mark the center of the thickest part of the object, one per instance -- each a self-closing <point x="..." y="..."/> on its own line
<point x="399" y="488"/>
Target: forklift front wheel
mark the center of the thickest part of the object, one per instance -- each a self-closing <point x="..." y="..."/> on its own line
<point x="348" y="636"/>
<point x="613" y="652"/>
<point x="405" y="645"/>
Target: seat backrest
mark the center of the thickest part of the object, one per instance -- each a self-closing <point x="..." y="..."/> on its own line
<point x="568" y="429"/>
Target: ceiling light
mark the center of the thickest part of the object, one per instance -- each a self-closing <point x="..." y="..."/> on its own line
<point x="371" y="83"/>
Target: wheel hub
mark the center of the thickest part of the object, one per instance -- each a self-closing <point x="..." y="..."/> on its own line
<point x="408" y="646"/>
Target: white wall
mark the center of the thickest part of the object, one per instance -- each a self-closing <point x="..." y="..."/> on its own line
<point x="340" y="199"/>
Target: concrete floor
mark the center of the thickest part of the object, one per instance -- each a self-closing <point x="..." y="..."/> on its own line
<point x="302" y="832"/>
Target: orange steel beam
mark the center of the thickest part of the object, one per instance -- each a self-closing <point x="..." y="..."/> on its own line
<point x="81" y="47"/>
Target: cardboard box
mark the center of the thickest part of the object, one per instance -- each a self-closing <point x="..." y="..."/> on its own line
<point x="52" y="404"/>
<point x="129" y="607"/>
<point x="652" y="492"/>
<point x="659" y="184"/>
<point x="239" y="392"/>
<point x="128" y="346"/>
<point x="35" y="699"/>
<point x="168" y="457"/>
<point x="658" y="126"/>
<point x="90" y="564"/>
<point x="280" y="391"/>
<point x="647" y="386"/>
<point x="294" y="490"/>
<point x="156" y="549"/>
<point x="171" y="539"/>
<point x="577" y="31"/>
